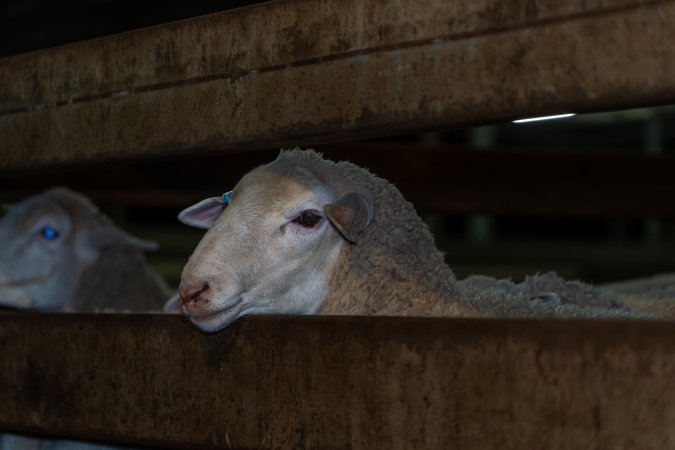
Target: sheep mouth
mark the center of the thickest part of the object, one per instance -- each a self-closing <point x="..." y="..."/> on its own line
<point x="220" y="312"/>
<point x="9" y="283"/>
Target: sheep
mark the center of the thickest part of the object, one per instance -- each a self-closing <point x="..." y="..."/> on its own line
<point x="653" y="294"/>
<point x="304" y="235"/>
<point x="59" y="253"/>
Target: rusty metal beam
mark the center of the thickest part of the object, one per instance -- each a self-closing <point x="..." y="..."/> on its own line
<point x="447" y="180"/>
<point x="325" y="382"/>
<point x="303" y="71"/>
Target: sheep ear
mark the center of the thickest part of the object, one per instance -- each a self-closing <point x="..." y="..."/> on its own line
<point x="351" y="214"/>
<point x="203" y="214"/>
<point x="105" y="237"/>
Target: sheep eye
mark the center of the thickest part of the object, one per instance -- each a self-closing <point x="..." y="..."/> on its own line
<point x="308" y="218"/>
<point x="49" y="233"/>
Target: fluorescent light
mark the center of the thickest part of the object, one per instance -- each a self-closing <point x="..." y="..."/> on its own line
<point x="535" y="119"/>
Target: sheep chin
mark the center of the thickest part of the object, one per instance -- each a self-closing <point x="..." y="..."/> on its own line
<point x="15" y="298"/>
<point x="13" y="294"/>
<point x="220" y="319"/>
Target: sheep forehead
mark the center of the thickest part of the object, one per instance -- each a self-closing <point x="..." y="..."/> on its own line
<point x="76" y="205"/>
<point x="267" y="190"/>
<point x="59" y="202"/>
<point x="23" y="216"/>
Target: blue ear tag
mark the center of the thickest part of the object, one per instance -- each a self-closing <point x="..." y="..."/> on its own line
<point x="226" y="197"/>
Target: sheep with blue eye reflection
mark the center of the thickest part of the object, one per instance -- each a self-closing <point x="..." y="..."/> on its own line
<point x="59" y="253"/>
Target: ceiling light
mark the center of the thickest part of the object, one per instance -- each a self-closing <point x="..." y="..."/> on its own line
<point x="536" y="119"/>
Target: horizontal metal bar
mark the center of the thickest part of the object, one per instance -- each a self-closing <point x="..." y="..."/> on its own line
<point x="345" y="382"/>
<point x="306" y="71"/>
<point x="446" y="180"/>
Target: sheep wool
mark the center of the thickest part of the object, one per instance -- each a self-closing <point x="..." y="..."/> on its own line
<point x="396" y="268"/>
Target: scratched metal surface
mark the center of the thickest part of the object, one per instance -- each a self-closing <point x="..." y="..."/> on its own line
<point x="307" y="71"/>
<point x="350" y="382"/>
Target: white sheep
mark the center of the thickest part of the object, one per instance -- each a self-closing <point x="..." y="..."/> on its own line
<point x="59" y="253"/>
<point x="303" y="235"/>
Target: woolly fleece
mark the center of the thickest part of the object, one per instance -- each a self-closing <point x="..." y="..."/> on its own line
<point x="396" y="269"/>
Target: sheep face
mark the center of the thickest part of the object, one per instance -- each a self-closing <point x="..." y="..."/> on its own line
<point x="47" y="242"/>
<point x="33" y="234"/>
<point x="270" y="251"/>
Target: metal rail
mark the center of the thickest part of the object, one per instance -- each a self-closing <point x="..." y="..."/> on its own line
<point x="292" y="72"/>
<point x="446" y="180"/>
<point x="346" y="382"/>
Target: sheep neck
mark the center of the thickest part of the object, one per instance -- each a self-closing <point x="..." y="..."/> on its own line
<point x="120" y="280"/>
<point x="395" y="268"/>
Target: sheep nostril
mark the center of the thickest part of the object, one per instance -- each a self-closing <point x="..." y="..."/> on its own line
<point x="192" y="293"/>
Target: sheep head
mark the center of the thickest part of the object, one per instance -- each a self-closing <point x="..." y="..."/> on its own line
<point x="270" y="246"/>
<point x="47" y="242"/>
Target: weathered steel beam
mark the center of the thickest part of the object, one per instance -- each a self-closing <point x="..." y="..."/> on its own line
<point x="446" y="180"/>
<point x="305" y="71"/>
<point x="326" y="382"/>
